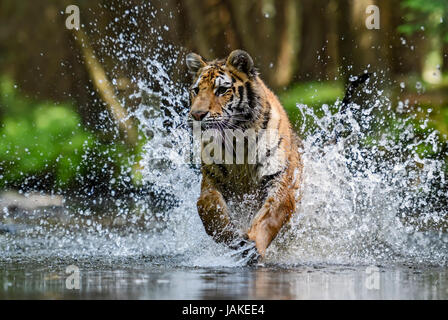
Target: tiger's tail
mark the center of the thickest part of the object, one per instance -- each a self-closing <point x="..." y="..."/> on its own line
<point x="361" y="79"/>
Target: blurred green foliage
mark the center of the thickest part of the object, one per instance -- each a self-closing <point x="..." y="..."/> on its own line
<point x="425" y="15"/>
<point x="441" y="121"/>
<point x="313" y="94"/>
<point x="46" y="141"/>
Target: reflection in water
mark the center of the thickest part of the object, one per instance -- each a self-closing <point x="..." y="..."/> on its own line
<point x="323" y="282"/>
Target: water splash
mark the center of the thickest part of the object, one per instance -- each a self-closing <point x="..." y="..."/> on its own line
<point x="371" y="197"/>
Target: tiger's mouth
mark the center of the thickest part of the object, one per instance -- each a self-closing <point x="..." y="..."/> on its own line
<point x="215" y="123"/>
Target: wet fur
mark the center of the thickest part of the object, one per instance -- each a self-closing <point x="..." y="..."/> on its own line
<point x="269" y="188"/>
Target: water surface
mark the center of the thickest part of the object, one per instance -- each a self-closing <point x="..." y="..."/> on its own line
<point x="152" y="282"/>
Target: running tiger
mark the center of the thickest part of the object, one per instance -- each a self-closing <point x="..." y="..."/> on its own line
<point x="229" y="94"/>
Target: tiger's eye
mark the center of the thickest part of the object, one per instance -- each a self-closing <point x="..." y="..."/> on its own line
<point x="221" y="90"/>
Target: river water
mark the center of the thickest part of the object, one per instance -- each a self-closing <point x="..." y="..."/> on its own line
<point x="30" y="281"/>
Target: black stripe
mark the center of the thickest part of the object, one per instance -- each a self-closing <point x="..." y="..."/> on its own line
<point x="266" y="180"/>
<point x="279" y="142"/>
<point x="236" y="76"/>
<point x="241" y="93"/>
<point x="266" y="117"/>
<point x="269" y="151"/>
<point x="250" y="95"/>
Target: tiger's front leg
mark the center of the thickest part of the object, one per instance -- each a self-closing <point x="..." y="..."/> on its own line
<point x="214" y="214"/>
<point x="277" y="209"/>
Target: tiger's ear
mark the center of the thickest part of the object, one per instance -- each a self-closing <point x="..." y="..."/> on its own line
<point x="194" y="62"/>
<point x="241" y="61"/>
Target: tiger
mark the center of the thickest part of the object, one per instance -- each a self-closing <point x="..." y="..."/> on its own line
<point x="229" y="93"/>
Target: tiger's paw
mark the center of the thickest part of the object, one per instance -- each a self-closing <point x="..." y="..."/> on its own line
<point x="247" y="250"/>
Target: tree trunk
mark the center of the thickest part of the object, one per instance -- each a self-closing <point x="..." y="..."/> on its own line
<point x="106" y="90"/>
<point x="313" y="36"/>
<point x="289" y="44"/>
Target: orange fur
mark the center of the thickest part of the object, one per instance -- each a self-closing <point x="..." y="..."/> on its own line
<point x="275" y="203"/>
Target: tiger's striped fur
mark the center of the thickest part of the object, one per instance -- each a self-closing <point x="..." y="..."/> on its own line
<point x="230" y="94"/>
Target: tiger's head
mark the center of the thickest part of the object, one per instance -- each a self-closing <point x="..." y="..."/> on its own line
<point x="224" y="92"/>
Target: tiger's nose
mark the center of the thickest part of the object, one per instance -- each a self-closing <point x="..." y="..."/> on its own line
<point x="199" y="115"/>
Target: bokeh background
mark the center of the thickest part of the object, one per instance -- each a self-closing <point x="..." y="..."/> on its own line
<point x="66" y="97"/>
